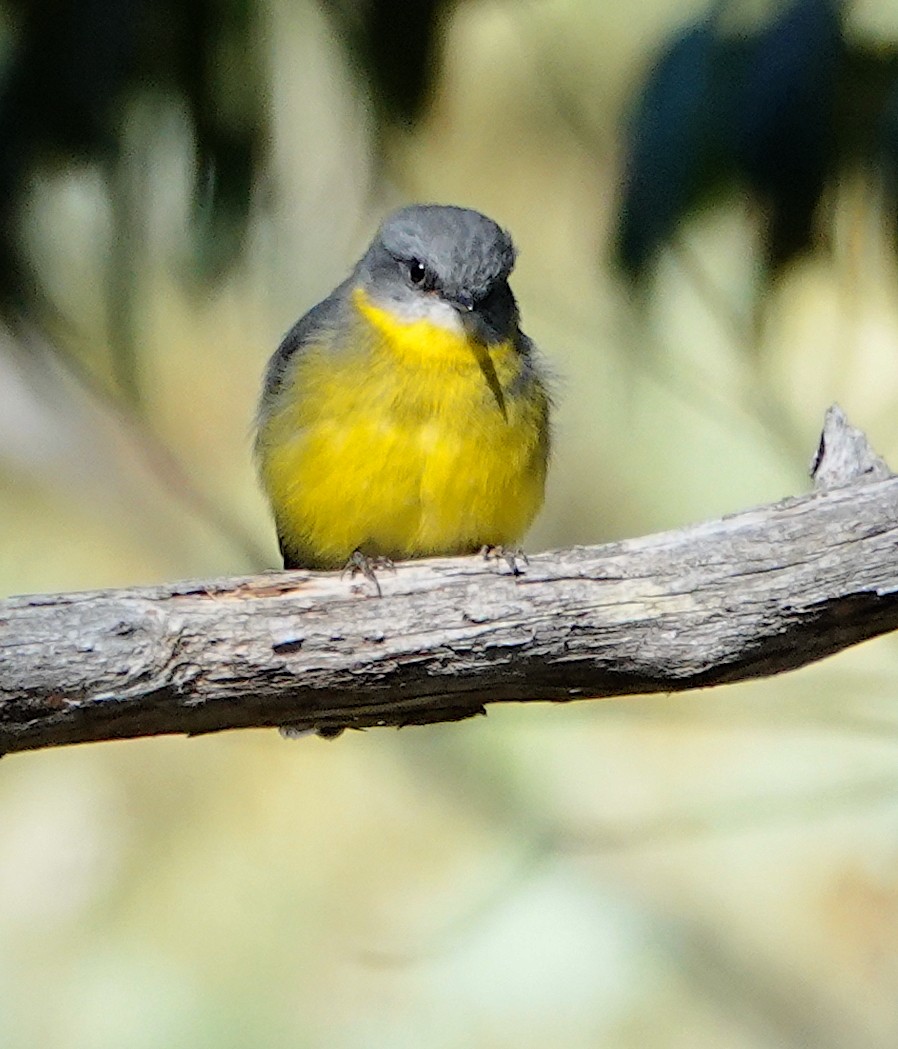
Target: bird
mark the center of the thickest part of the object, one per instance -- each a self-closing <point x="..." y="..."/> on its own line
<point x="407" y="415"/>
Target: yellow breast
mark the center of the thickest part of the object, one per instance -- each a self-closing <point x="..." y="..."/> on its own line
<point x="404" y="440"/>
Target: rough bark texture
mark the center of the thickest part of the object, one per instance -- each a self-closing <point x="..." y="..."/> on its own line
<point x="752" y="594"/>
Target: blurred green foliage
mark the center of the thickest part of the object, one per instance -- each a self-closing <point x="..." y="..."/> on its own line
<point x="778" y="110"/>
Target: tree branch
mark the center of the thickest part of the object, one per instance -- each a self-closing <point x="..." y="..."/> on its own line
<point x="753" y="594"/>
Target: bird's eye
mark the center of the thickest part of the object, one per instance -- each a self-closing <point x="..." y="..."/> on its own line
<point x="417" y="271"/>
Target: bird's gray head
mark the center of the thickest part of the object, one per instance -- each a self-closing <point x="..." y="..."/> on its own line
<point x="447" y="265"/>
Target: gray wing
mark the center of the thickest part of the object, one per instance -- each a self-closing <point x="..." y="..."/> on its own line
<point x="327" y="316"/>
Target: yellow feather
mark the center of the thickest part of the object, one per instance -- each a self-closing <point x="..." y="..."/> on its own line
<point x="405" y="440"/>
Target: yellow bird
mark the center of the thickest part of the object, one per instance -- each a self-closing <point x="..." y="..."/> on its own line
<point x="407" y="414"/>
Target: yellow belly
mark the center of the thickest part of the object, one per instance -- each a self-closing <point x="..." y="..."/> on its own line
<point x="407" y="441"/>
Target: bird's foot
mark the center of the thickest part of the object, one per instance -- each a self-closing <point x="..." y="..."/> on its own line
<point x="301" y="731"/>
<point x="510" y="557"/>
<point x="362" y="564"/>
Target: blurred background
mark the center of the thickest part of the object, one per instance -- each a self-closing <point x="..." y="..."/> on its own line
<point x="704" y="201"/>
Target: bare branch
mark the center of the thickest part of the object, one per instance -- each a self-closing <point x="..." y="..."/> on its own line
<point x="844" y="455"/>
<point x="750" y="595"/>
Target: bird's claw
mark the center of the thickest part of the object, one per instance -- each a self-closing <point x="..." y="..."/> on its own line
<point x="362" y="564"/>
<point x="510" y="557"/>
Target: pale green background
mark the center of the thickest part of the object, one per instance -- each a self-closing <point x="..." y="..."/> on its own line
<point x="716" y="869"/>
